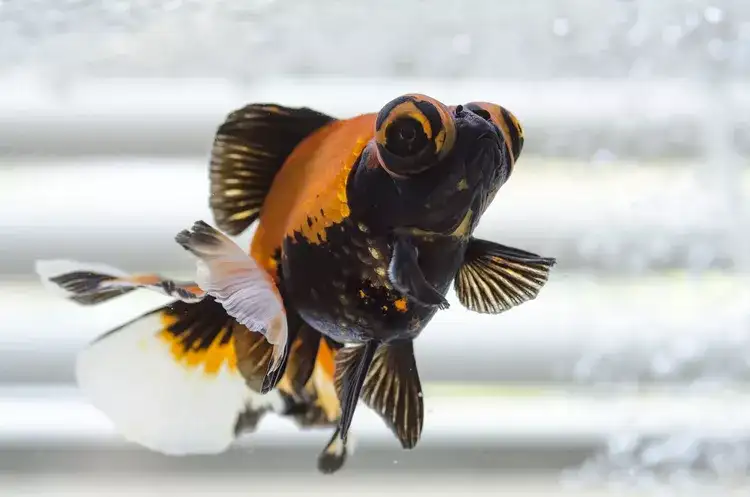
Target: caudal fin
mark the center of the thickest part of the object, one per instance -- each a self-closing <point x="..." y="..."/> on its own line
<point x="169" y="380"/>
<point x="93" y="283"/>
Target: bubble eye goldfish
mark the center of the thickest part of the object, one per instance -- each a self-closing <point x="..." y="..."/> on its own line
<point x="363" y="225"/>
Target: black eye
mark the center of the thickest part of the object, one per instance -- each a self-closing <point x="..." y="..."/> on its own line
<point x="405" y="137"/>
<point x="482" y="113"/>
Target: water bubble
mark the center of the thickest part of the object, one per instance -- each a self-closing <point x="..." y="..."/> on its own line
<point x="561" y="26"/>
<point x="713" y="15"/>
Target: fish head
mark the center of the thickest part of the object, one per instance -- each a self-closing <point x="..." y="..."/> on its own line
<point x="447" y="163"/>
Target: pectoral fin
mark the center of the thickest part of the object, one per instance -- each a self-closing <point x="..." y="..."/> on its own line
<point x="408" y="278"/>
<point x="241" y="286"/>
<point x="393" y="390"/>
<point x="495" y="278"/>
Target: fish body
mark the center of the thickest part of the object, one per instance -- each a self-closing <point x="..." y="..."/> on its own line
<point x="365" y="226"/>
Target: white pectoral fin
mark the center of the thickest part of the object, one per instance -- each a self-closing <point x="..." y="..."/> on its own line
<point x="238" y="283"/>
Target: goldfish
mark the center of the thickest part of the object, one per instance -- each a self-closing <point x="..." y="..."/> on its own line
<point x="363" y="226"/>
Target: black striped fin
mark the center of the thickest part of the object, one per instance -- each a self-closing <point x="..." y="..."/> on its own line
<point x="352" y="365"/>
<point x="302" y="357"/>
<point x="393" y="390"/>
<point x="254" y="355"/>
<point x="90" y="283"/>
<point x="495" y="278"/>
<point x="249" y="148"/>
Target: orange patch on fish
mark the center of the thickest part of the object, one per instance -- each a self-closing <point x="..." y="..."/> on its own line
<point x="144" y="279"/>
<point x="330" y="206"/>
<point x="313" y="178"/>
<point x="401" y="305"/>
<point x="324" y="359"/>
<point x="211" y="358"/>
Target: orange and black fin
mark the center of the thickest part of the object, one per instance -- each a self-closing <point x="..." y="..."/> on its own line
<point x="333" y="456"/>
<point x="169" y="380"/>
<point x="254" y="354"/>
<point x="303" y="356"/>
<point x="90" y="284"/>
<point x="408" y="278"/>
<point x="249" y="148"/>
<point x="277" y="370"/>
<point x="495" y="278"/>
<point x="393" y="390"/>
<point x="352" y="364"/>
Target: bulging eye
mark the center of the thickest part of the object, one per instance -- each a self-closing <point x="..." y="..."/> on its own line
<point x="413" y="133"/>
<point x="405" y="137"/>
<point x="505" y="121"/>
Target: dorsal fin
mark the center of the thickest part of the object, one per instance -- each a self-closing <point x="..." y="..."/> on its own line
<point x="249" y="148"/>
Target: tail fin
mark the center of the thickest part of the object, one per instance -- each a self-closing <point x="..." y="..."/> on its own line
<point x="169" y="380"/>
<point x="249" y="148"/>
<point x="92" y="283"/>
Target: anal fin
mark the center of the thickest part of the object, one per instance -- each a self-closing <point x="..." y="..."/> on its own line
<point x="408" y="278"/>
<point x="352" y="364"/>
<point x="495" y="278"/>
<point x="393" y="390"/>
<point x="249" y="148"/>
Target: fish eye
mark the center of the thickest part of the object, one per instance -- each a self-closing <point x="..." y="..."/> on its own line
<point x="412" y="133"/>
<point x="405" y="137"/>
<point x="506" y="122"/>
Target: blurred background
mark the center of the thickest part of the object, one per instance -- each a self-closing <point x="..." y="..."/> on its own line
<point x="627" y="376"/>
